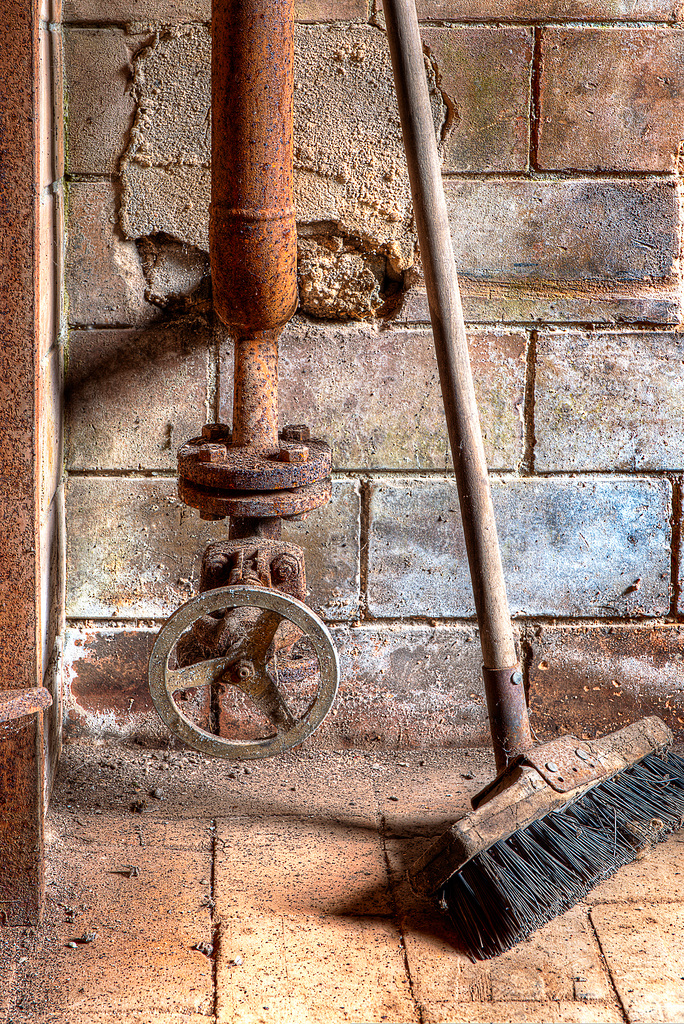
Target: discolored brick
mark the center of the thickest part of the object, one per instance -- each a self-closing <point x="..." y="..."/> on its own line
<point x="522" y="10"/>
<point x="569" y="547"/>
<point x="133" y="397"/>
<point x="484" y="75"/>
<point x="104" y="275"/>
<point x="591" y="680"/>
<point x="612" y="303"/>
<point x="134" y="549"/>
<point x="342" y="380"/>
<point x="107" y="690"/>
<point x="597" y="231"/>
<point x="609" y="401"/>
<point x="99" y="96"/>
<point x="610" y="99"/>
<point x="414" y="687"/>
<point x="183" y="12"/>
<point x="408" y="687"/>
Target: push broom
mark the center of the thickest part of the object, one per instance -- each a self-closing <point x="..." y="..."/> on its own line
<point x="560" y="816"/>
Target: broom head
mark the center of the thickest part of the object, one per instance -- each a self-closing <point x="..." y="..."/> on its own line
<point x="558" y="820"/>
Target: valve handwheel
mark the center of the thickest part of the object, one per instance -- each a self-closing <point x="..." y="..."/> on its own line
<point x="248" y="667"/>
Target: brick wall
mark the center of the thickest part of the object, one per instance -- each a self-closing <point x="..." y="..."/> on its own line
<point x="560" y="128"/>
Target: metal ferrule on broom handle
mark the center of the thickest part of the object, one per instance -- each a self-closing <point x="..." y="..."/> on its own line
<point x="504" y="688"/>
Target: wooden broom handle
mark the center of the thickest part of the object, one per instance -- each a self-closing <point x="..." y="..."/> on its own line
<point x="505" y="699"/>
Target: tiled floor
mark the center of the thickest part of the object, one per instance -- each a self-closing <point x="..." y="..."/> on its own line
<point x="273" y="892"/>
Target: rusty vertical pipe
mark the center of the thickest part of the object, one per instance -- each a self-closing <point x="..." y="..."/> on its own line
<point x="255" y="399"/>
<point x="253" y="234"/>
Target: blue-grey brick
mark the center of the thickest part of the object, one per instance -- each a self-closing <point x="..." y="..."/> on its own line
<point x="578" y="230"/>
<point x="570" y="547"/>
<point x="609" y="401"/>
<point x="134" y="549"/>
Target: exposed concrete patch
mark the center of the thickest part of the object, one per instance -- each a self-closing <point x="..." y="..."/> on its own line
<point x="177" y="275"/>
<point x="339" y="280"/>
<point x="351" y="183"/>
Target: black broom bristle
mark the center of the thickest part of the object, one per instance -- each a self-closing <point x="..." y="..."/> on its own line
<point x="515" y="886"/>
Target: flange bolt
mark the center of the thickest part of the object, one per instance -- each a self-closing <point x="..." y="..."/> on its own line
<point x="213" y="453"/>
<point x="284" y="569"/>
<point x="216" y="432"/>
<point x="294" y="453"/>
<point x="245" y="669"/>
<point x="296" y="432"/>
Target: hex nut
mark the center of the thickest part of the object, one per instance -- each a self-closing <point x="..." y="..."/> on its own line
<point x="296" y="432"/>
<point x="295" y="453"/>
<point x="285" y="568"/>
<point x="216" y="431"/>
<point x="215" y="453"/>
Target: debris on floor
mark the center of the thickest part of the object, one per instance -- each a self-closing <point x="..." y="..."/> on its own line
<point x="285" y="902"/>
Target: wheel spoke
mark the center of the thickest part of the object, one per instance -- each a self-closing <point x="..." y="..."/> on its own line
<point x="262" y="689"/>
<point x="262" y="635"/>
<point x="204" y="673"/>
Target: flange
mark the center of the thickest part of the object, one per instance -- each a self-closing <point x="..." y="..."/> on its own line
<point x="248" y="668"/>
<point x="223" y="466"/>
<point x="255" y="504"/>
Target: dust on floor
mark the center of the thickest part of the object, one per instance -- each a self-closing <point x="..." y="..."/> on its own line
<point x="186" y="891"/>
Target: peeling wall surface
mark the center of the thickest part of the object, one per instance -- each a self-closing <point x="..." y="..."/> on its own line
<point x="560" y="144"/>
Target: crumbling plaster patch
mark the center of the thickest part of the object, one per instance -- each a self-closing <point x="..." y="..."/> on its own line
<point x="351" y="182"/>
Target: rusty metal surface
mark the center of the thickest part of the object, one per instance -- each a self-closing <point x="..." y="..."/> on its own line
<point x="253" y="236"/>
<point x="249" y="666"/>
<point x="17" y="703"/>
<point x="25" y="275"/>
<point x="225" y="466"/>
<point x="264" y="563"/>
<point x="255" y="390"/>
<point x="256" y="504"/>
<point x="21" y="829"/>
<point x="507" y="707"/>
